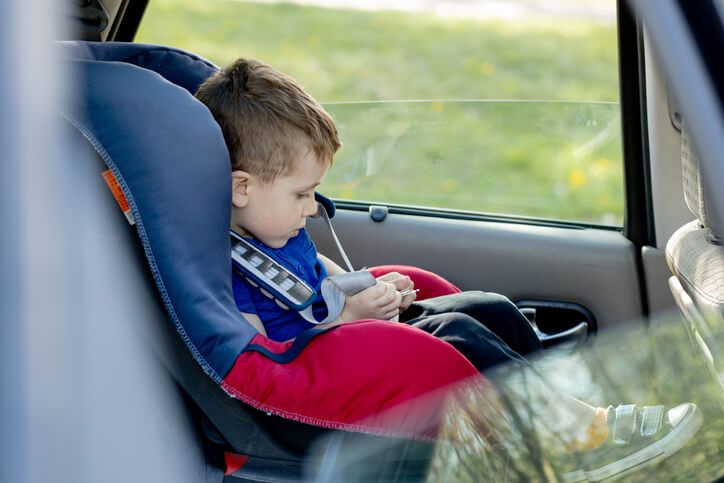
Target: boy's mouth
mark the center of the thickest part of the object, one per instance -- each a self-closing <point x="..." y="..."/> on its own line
<point x="296" y="231"/>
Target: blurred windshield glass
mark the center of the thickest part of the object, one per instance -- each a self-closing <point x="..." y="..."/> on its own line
<point x="637" y="364"/>
<point x="498" y="435"/>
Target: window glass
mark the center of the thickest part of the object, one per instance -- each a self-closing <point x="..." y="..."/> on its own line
<point x="501" y="107"/>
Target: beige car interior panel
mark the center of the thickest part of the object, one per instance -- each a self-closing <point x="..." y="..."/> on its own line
<point x="657" y="276"/>
<point x="594" y="268"/>
<point x="670" y="211"/>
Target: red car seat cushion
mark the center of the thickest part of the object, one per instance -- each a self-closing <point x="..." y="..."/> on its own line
<point x="410" y="373"/>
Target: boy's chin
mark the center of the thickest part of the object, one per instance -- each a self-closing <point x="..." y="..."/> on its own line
<point x="280" y="242"/>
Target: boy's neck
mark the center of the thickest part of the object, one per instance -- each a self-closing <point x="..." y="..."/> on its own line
<point x="241" y="231"/>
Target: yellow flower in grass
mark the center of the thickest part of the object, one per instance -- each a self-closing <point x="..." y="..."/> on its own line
<point x="487" y="68"/>
<point x="577" y="179"/>
<point x="437" y="106"/>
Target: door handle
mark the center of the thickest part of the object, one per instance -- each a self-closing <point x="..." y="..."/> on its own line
<point x="574" y="336"/>
<point x="571" y="338"/>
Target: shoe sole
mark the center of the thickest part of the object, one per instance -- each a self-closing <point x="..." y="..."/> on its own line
<point x="665" y="447"/>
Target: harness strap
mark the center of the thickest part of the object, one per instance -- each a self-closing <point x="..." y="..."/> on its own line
<point x="293" y="351"/>
<point x="290" y="291"/>
<point x="334" y="291"/>
<point x="322" y="212"/>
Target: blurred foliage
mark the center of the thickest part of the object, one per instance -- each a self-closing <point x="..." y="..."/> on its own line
<point x="542" y="159"/>
<point x="550" y="160"/>
<point x="644" y="365"/>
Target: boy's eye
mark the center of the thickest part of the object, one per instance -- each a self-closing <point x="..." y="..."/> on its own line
<point x="304" y="195"/>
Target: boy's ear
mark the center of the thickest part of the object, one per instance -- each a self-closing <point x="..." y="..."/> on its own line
<point x="240" y="181"/>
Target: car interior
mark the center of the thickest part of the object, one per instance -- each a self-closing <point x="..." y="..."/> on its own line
<point x="574" y="281"/>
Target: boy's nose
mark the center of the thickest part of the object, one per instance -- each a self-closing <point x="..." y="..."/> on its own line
<point x="310" y="207"/>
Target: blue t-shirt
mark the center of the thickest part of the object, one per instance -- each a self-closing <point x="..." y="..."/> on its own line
<point x="299" y="256"/>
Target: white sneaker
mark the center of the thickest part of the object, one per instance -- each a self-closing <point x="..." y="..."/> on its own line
<point x="637" y="437"/>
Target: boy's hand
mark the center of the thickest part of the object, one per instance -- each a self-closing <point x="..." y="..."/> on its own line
<point x="381" y="301"/>
<point x="401" y="283"/>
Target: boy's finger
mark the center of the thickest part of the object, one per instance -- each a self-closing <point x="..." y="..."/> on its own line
<point x="394" y="305"/>
<point x="391" y="295"/>
<point x="386" y="299"/>
<point x="391" y="314"/>
<point x="407" y="301"/>
<point x="403" y="283"/>
<point x="375" y="291"/>
<point x="389" y="277"/>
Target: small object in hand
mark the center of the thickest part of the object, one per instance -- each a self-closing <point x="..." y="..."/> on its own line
<point x="408" y="292"/>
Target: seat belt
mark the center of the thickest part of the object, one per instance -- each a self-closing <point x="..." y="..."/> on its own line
<point x="322" y="213"/>
<point x="288" y="290"/>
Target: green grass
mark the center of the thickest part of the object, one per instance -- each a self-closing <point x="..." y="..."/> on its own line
<point x="547" y="160"/>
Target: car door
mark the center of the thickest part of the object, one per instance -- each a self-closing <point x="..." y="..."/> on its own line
<point x="541" y="196"/>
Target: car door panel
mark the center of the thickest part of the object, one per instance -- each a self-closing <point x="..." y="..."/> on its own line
<point x="590" y="267"/>
<point x="657" y="273"/>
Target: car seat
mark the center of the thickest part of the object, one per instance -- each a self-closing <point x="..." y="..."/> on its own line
<point x="695" y="256"/>
<point x="278" y="407"/>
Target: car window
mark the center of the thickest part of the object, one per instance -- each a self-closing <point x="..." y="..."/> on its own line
<point x="492" y="107"/>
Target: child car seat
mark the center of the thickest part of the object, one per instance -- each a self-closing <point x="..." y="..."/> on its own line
<point x="268" y="401"/>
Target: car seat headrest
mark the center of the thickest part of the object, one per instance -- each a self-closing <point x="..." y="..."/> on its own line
<point x="695" y="194"/>
<point x="170" y="159"/>
<point x="175" y="65"/>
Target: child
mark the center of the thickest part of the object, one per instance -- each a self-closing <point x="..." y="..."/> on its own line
<point x="281" y="143"/>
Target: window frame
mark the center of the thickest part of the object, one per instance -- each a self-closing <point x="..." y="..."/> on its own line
<point x="638" y="205"/>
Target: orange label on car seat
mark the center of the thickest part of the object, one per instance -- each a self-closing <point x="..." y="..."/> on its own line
<point x="118" y="194"/>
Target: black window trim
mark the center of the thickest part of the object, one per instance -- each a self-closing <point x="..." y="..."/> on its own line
<point x="392" y="208"/>
<point x="130" y="19"/>
<point x="638" y="216"/>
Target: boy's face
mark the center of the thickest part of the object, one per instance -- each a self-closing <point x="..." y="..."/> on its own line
<point x="274" y="212"/>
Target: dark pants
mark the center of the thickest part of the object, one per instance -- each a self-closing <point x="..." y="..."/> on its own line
<point x="487" y="328"/>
